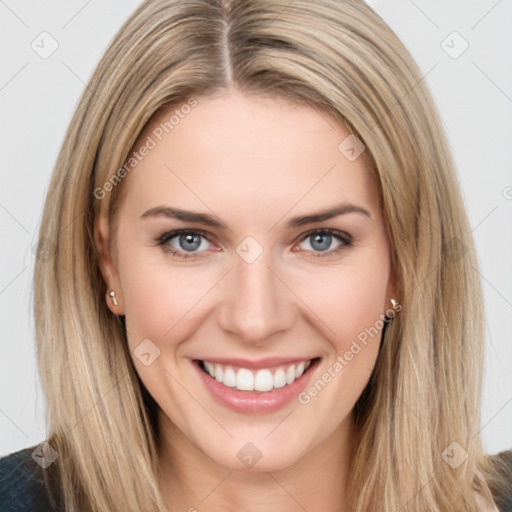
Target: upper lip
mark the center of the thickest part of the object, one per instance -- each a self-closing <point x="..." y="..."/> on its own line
<point x="268" y="362"/>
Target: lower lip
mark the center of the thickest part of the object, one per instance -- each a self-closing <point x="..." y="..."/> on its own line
<point x="255" y="402"/>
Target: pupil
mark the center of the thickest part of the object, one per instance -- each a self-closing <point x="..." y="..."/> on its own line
<point x="321" y="242"/>
<point x="190" y="242"/>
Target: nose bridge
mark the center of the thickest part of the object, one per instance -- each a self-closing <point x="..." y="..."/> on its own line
<point x="257" y="304"/>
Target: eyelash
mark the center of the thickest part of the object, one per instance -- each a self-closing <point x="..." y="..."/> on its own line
<point x="344" y="238"/>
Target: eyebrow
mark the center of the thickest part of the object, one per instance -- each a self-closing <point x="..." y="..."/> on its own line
<point x="184" y="215"/>
<point x="326" y="214"/>
<point x="210" y="220"/>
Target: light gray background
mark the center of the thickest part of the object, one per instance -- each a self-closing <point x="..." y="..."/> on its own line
<point x="37" y="98"/>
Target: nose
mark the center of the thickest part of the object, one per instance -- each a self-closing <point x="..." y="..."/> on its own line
<point x="256" y="305"/>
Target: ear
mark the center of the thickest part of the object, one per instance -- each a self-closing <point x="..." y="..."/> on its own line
<point x="107" y="265"/>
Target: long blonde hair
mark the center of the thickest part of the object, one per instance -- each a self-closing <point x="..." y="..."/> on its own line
<point x="340" y="57"/>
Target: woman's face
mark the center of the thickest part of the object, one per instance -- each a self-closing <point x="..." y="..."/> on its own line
<point x="250" y="244"/>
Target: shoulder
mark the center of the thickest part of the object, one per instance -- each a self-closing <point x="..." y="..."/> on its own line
<point x="500" y="484"/>
<point x="22" y="485"/>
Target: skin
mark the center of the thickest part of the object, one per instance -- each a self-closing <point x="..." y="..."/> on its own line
<point x="253" y="163"/>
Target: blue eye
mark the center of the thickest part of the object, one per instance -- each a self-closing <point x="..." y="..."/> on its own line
<point x="184" y="244"/>
<point x="189" y="242"/>
<point x="321" y="241"/>
<point x="179" y="243"/>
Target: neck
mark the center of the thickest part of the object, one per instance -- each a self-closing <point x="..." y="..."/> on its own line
<point x="191" y="481"/>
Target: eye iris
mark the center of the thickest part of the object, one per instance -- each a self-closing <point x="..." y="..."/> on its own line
<point x="321" y="241"/>
<point x="190" y="241"/>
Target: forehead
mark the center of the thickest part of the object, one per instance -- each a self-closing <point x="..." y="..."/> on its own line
<point x="236" y="150"/>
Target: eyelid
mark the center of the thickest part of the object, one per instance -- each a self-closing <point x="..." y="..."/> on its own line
<point x="345" y="239"/>
<point x="168" y="235"/>
<point x="343" y="235"/>
<point x="163" y="240"/>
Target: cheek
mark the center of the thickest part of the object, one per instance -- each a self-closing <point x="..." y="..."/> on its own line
<point x="159" y="303"/>
<point x="148" y="311"/>
<point x="349" y="309"/>
<point x="351" y="299"/>
<point x="155" y="297"/>
<point x="164" y="303"/>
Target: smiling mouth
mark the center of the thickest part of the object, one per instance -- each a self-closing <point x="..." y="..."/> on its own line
<point x="262" y="380"/>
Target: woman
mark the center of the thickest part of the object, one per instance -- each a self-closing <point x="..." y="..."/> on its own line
<point x="263" y="275"/>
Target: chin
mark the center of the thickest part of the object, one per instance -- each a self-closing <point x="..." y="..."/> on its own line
<point x="255" y="458"/>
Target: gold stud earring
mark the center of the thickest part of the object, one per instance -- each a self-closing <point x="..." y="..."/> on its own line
<point x="113" y="296"/>
<point x="394" y="303"/>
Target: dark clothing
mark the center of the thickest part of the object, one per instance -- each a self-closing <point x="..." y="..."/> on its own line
<point x="22" y="486"/>
<point x="503" y="497"/>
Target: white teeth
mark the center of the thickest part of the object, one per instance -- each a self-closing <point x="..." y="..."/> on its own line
<point x="210" y="368"/>
<point x="290" y="374"/>
<point x="279" y="378"/>
<point x="299" y="370"/>
<point x="244" y="380"/>
<point x="229" y="378"/>
<point x="261" y="380"/>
